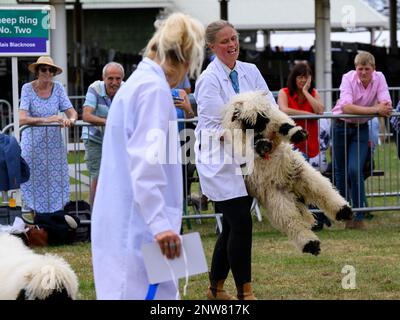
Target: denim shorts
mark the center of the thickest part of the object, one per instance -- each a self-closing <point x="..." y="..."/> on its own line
<point x="93" y="157"/>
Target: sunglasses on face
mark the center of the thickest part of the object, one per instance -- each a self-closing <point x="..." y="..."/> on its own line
<point x="45" y="69"/>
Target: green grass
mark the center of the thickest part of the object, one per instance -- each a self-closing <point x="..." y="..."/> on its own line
<point x="76" y="157"/>
<point x="281" y="272"/>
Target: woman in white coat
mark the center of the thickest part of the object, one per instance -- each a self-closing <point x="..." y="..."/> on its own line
<point x="139" y="197"/>
<point x="220" y="179"/>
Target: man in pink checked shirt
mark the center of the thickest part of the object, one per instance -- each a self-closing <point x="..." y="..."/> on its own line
<point x="363" y="91"/>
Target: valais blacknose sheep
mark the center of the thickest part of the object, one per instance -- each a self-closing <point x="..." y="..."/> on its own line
<point x="279" y="177"/>
<point x="26" y="275"/>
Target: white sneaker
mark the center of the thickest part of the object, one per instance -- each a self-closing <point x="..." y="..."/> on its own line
<point x="71" y="222"/>
<point x="28" y="217"/>
<point x="26" y="209"/>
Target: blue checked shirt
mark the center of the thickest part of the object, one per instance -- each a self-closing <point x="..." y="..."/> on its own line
<point x="97" y="98"/>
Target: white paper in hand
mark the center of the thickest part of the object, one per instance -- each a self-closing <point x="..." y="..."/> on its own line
<point x="157" y="268"/>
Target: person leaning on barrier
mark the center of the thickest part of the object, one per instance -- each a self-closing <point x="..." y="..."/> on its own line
<point x="95" y="109"/>
<point x="42" y="147"/>
<point x="301" y="98"/>
<point x="363" y="91"/>
<point x="221" y="181"/>
<point x="139" y="194"/>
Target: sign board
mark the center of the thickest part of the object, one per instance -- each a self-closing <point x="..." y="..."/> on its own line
<point x="24" y="32"/>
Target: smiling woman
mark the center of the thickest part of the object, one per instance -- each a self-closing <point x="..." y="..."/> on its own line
<point x="42" y="147"/>
<point x="225" y="77"/>
<point x="225" y="44"/>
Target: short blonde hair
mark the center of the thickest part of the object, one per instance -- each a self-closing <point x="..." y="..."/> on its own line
<point x="179" y="39"/>
<point x="363" y="58"/>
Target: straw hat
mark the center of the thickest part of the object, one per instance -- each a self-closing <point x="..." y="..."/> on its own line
<point x="44" y="60"/>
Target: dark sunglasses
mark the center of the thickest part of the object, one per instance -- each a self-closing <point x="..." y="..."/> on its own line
<point x="45" y="69"/>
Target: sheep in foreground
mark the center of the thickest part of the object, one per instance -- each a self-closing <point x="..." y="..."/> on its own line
<point x="26" y="275"/>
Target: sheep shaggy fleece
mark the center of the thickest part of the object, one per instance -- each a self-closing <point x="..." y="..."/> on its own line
<point x="283" y="182"/>
<point x="25" y="274"/>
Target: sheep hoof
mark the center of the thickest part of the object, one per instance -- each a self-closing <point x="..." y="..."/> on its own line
<point x="345" y="213"/>
<point x="312" y="247"/>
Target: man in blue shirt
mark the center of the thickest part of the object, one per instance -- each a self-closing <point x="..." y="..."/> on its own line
<point x="95" y="109"/>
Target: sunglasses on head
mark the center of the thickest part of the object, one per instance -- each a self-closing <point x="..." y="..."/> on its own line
<point x="45" y="69"/>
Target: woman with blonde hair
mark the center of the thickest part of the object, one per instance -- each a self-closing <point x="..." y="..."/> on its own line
<point x="222" y="181"/>
<point x="139" y="197"/>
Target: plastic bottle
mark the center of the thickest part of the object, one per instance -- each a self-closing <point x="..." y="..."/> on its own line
<point x="12" y="203"/>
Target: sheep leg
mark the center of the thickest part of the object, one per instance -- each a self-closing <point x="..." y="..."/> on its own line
<point x="284" y="215"/>
<point x="319" y="191"/>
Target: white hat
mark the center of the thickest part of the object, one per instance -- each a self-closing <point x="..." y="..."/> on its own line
<point x="46" y="61"/>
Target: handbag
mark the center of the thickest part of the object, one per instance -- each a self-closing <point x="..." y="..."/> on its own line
<point x="36" y="237"/>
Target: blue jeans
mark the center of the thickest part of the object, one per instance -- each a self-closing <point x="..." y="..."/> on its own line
<point x="350" y="150"/>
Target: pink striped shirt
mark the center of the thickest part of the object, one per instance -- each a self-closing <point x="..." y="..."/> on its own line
<point x="352" y="91"/>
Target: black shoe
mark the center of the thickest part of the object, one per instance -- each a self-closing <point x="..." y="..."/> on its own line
<point x="321" y="219"/>
<point x="28" y="218"/>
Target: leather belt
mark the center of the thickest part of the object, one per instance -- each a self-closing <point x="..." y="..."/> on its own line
<point x="341" y="123"/>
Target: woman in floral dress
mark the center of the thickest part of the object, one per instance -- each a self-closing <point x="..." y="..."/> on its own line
<point x="47" y="190"/>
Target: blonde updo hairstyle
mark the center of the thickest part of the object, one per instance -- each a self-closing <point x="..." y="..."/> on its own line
<point x="178" y="41"/>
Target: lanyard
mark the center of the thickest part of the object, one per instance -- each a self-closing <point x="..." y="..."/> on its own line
<point x="151" y="292"/>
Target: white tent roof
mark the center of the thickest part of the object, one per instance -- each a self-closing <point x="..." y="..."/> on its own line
<point x="257" y="14"/>
<point x="285" y="14"/>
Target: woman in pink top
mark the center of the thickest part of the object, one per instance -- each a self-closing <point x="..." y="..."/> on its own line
<point x="363" y="91"/>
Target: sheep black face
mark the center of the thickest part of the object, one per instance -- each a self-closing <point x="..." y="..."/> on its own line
<point x="258" y="125"/>
<point x="254" y="111"/>
<point x="262" y="146"/>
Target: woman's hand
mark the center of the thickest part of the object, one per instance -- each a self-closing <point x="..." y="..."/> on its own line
<point x="70" y="122"/>
<point x="307" y="85"/>
<point x="59" y="119"/>
<point x="170" y="243"/>
<point x="184" y="104"/>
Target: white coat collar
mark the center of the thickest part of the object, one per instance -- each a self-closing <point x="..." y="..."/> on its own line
<point x="155" y="66"/>
<point x="225" y="69"/>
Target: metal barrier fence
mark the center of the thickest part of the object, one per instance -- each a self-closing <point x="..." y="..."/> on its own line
<point x="382" y="180"/>
<point x="70" y="148"/>
<point x="381" y="174"/>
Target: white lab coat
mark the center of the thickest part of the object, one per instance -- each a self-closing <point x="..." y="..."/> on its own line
<point x="135" y="199"/>
<point x="220" y="176"/>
